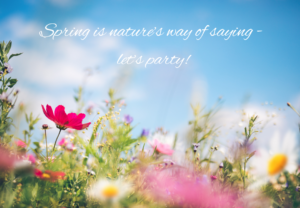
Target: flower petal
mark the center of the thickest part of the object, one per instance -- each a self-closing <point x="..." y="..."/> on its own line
<point x="71" y="116"/>
<point x="60" y="115"/>
<point x="80" y="126"/>
<point x="49" y="112"/>
<point x="75" y="121"/>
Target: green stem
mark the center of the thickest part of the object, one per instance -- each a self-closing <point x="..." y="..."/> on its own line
<point x="56" y="140"/>
<point x="208" y="162"/>
<point x="3" y="87"/>
<point x="243" y="173"/>
<point x="46" y="144"/>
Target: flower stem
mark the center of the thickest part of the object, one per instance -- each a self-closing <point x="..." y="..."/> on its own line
<point x="56" y="140"/>
<point x="46" y="144"/>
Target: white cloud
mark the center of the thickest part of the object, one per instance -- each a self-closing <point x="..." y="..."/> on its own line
<point x="58" y="63"/>
<point x="18" y="28"/>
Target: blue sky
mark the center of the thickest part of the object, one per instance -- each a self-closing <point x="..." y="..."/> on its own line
<point x="266" y="66"/>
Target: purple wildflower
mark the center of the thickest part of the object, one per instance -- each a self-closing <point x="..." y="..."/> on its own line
<point x="132" y="159"/>
<point x="145" y="133"/>
<point x="8" y="67"/>
<point x="128" y="119"/>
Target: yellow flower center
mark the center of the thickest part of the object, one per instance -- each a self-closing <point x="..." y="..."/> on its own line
<point x="277" y="164"/>
<point x="45" y="175"/>
<point x="110" y="191"/>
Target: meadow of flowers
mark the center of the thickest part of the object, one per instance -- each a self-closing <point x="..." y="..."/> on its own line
<point x="114" y="169"/>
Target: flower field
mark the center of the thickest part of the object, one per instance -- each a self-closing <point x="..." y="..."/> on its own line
<point x="113" y="168"/>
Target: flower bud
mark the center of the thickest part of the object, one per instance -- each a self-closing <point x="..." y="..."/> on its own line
<point x="221" y="165"/>
<point x="45" y="126"/>
<point x="196" y="145"/>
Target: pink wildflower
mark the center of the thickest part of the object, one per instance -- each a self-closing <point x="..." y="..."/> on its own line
<point x="161" y="148"/>
<point x="63" y="120"/>
<point x="31" y="158"/>
<point x="20" y="144"/>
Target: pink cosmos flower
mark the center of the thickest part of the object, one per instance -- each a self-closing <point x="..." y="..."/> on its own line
<point x="62" y="142"/>
<point x="63" y="120"/>
<point x="20" y="144"/>
<point x="161" y="148"/>
<point x="31" y="158"/>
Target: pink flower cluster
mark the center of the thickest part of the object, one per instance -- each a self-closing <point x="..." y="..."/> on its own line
<point x="66" y="144"/>
<point x="184" y="190"/>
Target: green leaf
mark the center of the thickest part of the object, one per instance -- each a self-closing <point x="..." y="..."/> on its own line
<point x="8" y="46"/>
<point x="207" y="160"/>
<point x="6" y="81"/>
<point x="78" y="192"/>
<point x="34" y="190"/>
<point x="27" y="119"/>
<point x="36" y="144"/>
<point x="175" y="140"/>
<point x="154" y="151"/>
<point x="1" y="49"/>
<point x="12" y="82"/>
<point x="15" y="54"/>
